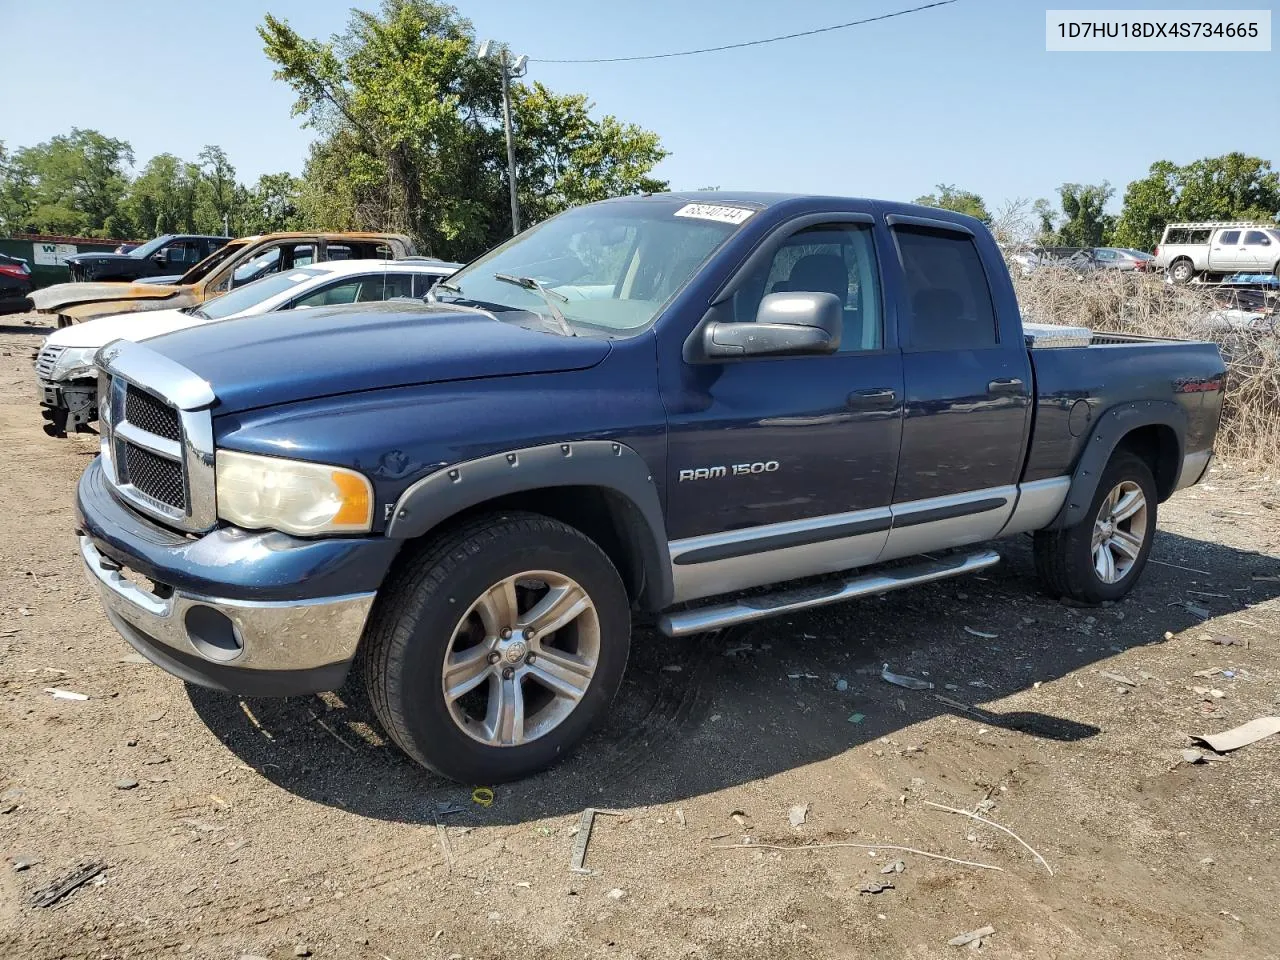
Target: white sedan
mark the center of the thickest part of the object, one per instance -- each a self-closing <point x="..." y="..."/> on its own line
<point x="64" y="366"/>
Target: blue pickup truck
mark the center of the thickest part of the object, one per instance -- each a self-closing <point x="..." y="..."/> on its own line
<point x="703" y="409"/>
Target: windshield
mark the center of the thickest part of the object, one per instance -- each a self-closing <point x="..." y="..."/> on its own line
<point x="252" y="294"/>
<point x="150" y="247"/>
<point x="612" y="266"/>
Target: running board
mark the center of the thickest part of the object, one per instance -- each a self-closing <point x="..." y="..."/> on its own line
<point x="748" y="609"/>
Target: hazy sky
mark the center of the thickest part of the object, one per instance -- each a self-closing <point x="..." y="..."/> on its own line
<point x="963" y="94"/>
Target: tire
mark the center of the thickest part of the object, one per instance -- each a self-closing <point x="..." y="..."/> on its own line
<point x="1182" y="271"/>
<point x="1069" y="563"/>
<point x="452" y="600"/>
<point x="1275" y="271"/>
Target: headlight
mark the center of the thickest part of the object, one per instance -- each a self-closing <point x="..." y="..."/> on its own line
<point x="74" y="362"/>
<point x="291" y="495"/>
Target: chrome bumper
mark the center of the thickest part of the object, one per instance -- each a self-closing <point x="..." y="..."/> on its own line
<point x="255" y="648"/>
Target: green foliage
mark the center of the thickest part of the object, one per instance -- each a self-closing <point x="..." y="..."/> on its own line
<point x="163" y="197"/>
<point x="949" y="197"/>
<point x="72" y="184"/>
<point x="1230" y="187"/>
<point x="271" y="205"/>
<point x="1084" y="223"/>
<point x="411" y="134"/>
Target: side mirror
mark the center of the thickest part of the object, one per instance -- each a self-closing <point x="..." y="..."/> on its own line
<point x="787" y="324"/>
<point x="160" y="257"/>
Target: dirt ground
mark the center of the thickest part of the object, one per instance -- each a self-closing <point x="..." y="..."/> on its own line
<point x="273" y="828"/>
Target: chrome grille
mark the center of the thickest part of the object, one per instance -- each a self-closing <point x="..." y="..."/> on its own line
<point x="155" y="476"/>
<point x="150" y="414"/>
<point x="46" y="359"/>
<point x="157" y="436"/>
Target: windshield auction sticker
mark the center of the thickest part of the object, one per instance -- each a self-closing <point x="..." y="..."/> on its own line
<point x="1182" y="31"/>
<point x="711" y="211"/>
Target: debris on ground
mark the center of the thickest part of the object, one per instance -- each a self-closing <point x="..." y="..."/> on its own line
<point x="22" y="862"/>
<point x="978" y="633"/>
<point x="60" y="889"/>
<point x="875" y="886"/>
<point x="1208" y="692"/>
<point x="672" y="668"/>
<point x="898" y="680"/>
<point x="896" y="867"/>
<point x="1240" y="736"/>
<point x="1193" y="609"/>
<point x="616" y="893"/>
<point x="992" y="823"/>
<point x="1223" y="640"/>
<point x="799" y="813"/>
<point x="1118" y="678"/>
<point x="842" y="685"/>
<point x="127" y="783"/>
<point x="577" y="862"/>
<point x="857" y="717"/>
<point x="59" y="694"/>
<point x="967" y="938"/>
<point x="803" y="676"/>
<point x="1192" y="756"/>
<point x="739" y="817"/>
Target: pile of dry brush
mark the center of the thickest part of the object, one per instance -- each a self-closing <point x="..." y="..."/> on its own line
<point x="1134" y="303"/>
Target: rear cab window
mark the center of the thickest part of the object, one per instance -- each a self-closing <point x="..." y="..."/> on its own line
<point x="948" y="299"/>
<point x="1229" y="238"/>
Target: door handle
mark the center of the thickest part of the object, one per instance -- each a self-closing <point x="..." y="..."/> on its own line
<point x="877" y="398"/>
<point x="1005" y="387"/>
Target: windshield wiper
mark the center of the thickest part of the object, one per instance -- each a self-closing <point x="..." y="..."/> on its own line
<point x="529" y="283"/>
<point x="446" y="285"/>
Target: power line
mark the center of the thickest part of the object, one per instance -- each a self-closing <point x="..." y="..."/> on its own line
<point x="752" y="43"/>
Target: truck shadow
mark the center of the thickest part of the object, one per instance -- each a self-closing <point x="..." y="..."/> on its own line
<point x="699" y="715"/>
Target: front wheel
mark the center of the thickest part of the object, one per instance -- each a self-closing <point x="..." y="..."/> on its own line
<point x="492" y="652"/>
<point x="1102" y="556"/>
<point x="1182" y="272"/>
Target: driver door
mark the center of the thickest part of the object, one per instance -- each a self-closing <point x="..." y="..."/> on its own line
<point x="784" y="467"/>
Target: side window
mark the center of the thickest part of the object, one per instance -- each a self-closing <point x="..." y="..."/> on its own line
<point x="1229" y="238"/>
<point x="1257" y="238"/>
<point x="423" y="282"/>
<point x="348" y="291"/>
<point x="304" y="254"/>
<point x="183" y="253"/>
<point x="339" y="251"/>
<point x="837" y="258"/>
<point x="397" y="285"/>
<point x="1104" y="254"/>
<point x="948" y="299"/>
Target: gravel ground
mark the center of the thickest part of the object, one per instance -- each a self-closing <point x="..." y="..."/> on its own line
<point x="275" y="828"/>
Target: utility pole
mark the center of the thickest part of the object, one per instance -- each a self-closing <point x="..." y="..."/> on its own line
<point x="516" y="68"/>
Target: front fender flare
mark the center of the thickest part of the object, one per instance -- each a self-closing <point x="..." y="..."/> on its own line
<point x="606" y="464"/>
<point x="1111" y="428"/>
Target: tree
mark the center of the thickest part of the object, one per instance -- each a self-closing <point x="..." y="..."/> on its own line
<point x="72" y="184"/>
<point x="271" y="205"/>
<point x="949" y="197"/>
<point x="1046" y="222"/>
<point x="1085" y="224"/>
<point x="215" y="207"/>
<point x="410" y="133"/>
<point x="1230" y="187"/>
<point x="162" y="199"/>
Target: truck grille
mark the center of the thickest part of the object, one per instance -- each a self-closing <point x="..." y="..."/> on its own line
<point x="154" y="416"/>
<point x="155" y="476"/>
<point x="157" y="436"/>
<point x="46" y="359"/>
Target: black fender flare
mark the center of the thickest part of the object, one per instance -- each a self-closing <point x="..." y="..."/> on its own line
<point x="1110" y="429"/>
<point x="612" y="466"/>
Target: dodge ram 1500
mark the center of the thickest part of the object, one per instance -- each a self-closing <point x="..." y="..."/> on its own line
<point x="705" y="408"/>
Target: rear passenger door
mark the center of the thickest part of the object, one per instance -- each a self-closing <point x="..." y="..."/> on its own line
<point x="1226" y="251"/>
<point x="968" y="389"/>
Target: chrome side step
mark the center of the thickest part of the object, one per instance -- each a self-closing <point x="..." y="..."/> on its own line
<point x="702" y="619"/>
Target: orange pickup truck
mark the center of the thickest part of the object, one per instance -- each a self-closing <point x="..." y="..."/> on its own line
<point x="239" y="262"/>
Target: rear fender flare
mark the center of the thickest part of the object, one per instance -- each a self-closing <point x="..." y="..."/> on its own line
<point x="609" y="465"/>
<point x="1112" y="427"/>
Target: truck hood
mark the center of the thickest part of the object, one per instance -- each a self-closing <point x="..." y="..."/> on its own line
<point x="102" y="258"/>
<point x="276" y="358"/>
<point x="122" y="326"/>
<point x="84" y="300"/>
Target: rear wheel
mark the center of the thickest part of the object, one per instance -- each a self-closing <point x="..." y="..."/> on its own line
<point x="1102" y="556"/>
<point x="1182" y="271"/>
<point x="496" y="648"/>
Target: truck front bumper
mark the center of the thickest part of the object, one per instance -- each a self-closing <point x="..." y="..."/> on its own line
<point x="253" y="614"/>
